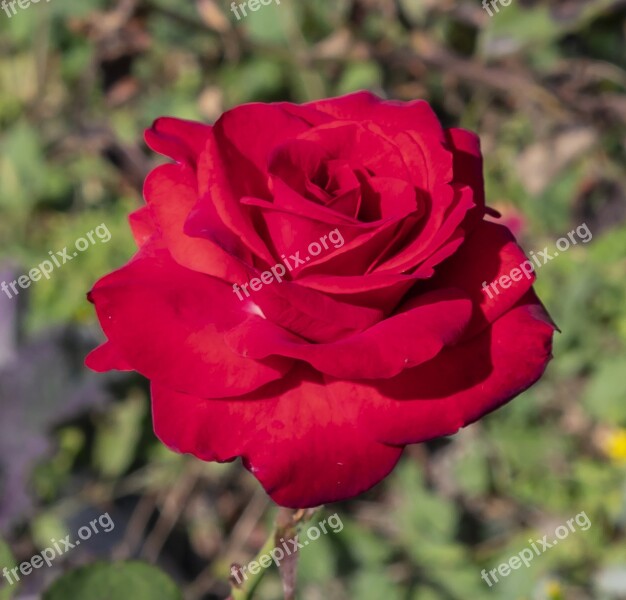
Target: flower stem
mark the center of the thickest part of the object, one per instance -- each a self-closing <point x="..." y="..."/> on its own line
<point x="246" y="590"/>
<point x="285" y="529"/>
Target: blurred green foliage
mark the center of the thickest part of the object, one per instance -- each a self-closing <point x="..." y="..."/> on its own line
<point x="543" y="83"/>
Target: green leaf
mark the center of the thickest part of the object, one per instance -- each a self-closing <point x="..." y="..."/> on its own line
<point x="471" y="471"/>
<point x="318" y="562"/>
<point x="375" y="585"/>
<point x="6" y="560"/>
<point x="47" y="526"/>
<point x="604" y="397"/>
<point x="360" y="76"/>
<point x="365" y="546"/>
<point x="415" y="11"/>
<point x="514" y="27"/>
<point x="118" y="436"/>
<point x="268" y="24"/>
<point x="105" y="581"/>
<point x="263" y="78"/>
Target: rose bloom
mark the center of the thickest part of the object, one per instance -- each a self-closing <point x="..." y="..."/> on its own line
<point x="320" y="378"/>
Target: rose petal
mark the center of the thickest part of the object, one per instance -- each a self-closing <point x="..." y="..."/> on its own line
<point x="107" y="358"/>
<point x="169" y="324"/>
<point x="218" y="214"/>
<point x="170" y="191"/>
<point x="309" y="313"/>
<point x="489" y="253"/>
<point x="178" y="139"/>
<point x="318" y="443"/>
<point x="415" y="334"/>
<point x="248" y="134"/>
<point x="306" y="453"/>
<point x="440" y="225"/>
<point x="460" y="384"/>
<point x="360" y="145"/>
<point x="392" y="115"/>
<point x="142" y="225"/>
<point x="468" y="166"/>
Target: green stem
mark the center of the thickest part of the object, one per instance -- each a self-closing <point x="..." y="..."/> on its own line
<point x="246" y="590"/>
<point x="286" y="526"/>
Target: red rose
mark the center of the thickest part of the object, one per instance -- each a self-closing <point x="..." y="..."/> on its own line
<point x="380" y="335"/>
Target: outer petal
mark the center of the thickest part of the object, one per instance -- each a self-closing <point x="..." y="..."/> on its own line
<point x="489" y="253"/>
<point x="393" y="116"/>
<point x="413" y="127"/>
<point x="248" y="134"/>
<point x="169" y="324"/>
<point x="224" y="177"/>
<point x="461" y="384"/>
<point x="468" y="166"/>
<point x="178" y="139"/>
<point x="107" y="358"/>
<point x="170" y="191"/>
<point x="304" y="448"/>
<point x="142" y="225"/>
<point x="310" y="443"/>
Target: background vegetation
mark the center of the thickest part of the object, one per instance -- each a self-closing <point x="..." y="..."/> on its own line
<point x="543" y="83"/>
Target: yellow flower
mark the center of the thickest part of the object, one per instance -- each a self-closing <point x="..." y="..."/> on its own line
<point x="615" y="445"/>
<point x="554" y="591"/>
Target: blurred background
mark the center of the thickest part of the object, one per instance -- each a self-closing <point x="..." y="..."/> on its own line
<point x="543" y="83"/>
